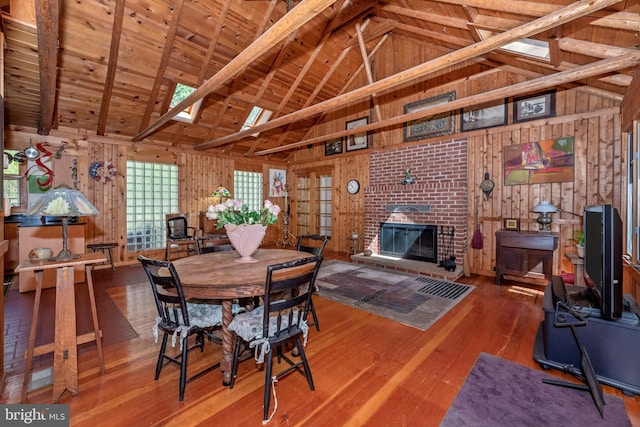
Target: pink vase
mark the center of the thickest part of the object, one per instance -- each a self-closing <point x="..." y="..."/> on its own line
<point x="246" y="239"/>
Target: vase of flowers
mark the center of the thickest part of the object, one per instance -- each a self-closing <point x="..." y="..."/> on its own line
<point x="245" y="228"/>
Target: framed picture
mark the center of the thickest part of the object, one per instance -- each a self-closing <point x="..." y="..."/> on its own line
<point x="333" y="147"/>
<point x="534" y="107"/>
<point x="484" y="116"/>
<point x="277" y="181"/>
<point x="440" y="124"/>
<point x="358" y="141"/>
<point x="512" y="224"/>
<point x="539" y="162"/>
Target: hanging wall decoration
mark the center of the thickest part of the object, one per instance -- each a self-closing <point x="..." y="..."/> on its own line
<point x="103" y="171"/>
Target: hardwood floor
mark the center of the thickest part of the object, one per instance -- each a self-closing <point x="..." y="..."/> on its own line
<point x="367" y="370"/>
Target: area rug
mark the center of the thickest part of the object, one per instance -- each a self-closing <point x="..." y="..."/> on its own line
<point x="413" y="300"/>
<point x="19" y="308"/>
<point x="499" y="392"/>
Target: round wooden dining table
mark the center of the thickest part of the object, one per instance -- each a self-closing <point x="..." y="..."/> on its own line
<point x="218" y="275"/>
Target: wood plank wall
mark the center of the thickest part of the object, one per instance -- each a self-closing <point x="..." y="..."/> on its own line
<point x="593" y="121"/>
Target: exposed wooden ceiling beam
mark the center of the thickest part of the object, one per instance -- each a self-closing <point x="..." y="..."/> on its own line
<point x="116" y="31"/>
<point x="541" y="83"/>
<point x="558" y="17"/>
<point x="296" y="18"/>
<point x="47" y="18"/>
<point x="176" y="12"/>
<point x="630" y="106"/>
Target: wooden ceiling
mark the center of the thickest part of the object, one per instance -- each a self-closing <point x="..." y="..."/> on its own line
<point x="116" y="63"/>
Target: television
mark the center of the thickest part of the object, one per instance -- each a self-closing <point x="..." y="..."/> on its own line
<point x="603" y="258"/>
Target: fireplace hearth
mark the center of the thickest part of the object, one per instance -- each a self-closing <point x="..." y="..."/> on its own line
<point x="410" y="241"/>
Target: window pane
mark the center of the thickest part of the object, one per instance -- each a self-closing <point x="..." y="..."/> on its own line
<point x="303" y="205"/>
<point x="152" y="192"/>
<point x="324" y="205"/>
<point x="248" y="188"/>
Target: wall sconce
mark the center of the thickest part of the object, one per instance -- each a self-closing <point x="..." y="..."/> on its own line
<point x="408" y="179"/>
<point x="487" y="186"/>
<point x="545" y="209"/>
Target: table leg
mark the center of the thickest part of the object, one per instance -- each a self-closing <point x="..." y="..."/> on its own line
<point x="94" y="314"/>
<point x="65" y="355"/>
<point x="227" y="342"/>
<point x="32" y="334"/>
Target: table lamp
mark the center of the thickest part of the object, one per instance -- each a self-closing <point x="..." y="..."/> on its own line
<point x="63" y="202"/>
<point x="220" y="195"/>
<point x="545" y="209"/>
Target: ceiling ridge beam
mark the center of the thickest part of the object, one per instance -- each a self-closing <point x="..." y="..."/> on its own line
<point x="558" y="17"/>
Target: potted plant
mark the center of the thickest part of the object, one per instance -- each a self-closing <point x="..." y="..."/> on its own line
<point x="577" y="236"/>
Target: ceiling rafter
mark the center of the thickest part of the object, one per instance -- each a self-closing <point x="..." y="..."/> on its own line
<point x="116" y="33"/>
<point x="563" y="15"/>
<point x="297" y="17"/>
<point x="541" y="83"/>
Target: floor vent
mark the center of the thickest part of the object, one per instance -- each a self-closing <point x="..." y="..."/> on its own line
<point x="370" y="297"/>
<point x="442" y="288"/>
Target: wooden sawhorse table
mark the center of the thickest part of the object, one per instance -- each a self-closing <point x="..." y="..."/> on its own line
<point x="65" y="345"/>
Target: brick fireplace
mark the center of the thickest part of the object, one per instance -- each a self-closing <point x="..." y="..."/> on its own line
<point x="438" y="195"/>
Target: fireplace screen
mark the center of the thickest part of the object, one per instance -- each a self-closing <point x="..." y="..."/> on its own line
<point x="411" y="241"/>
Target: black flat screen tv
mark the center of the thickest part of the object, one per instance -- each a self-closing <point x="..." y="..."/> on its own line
<point x="603" y="258"/>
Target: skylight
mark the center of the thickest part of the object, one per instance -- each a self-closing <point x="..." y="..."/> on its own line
<point x="256" y="117"/>
<point x="530" y="47"/>
<point x="180" y="93"/>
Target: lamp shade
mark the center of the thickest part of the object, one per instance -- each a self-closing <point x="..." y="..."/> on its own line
<point x="545" y="207"/>
<point x="220" y="195"/>
<point x="63" y="201"/>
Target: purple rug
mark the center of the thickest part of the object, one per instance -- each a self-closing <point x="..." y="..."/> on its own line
<point x="499" y="392"/>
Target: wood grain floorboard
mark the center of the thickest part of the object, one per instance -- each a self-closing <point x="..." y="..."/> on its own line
<point x="367" y="370"/>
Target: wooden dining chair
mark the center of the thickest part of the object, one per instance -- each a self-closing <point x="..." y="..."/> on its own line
<point x="314" y="244"/>
<point x="179" y="319"/>
<point x="279" y="322"/>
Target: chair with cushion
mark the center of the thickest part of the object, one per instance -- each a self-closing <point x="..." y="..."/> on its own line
<point x="180" y="237"/>
<point x="314" y="244"/>
<point x="178" y="319"/>
<point x="270" y="327"/>
<point x="207" y="244"/>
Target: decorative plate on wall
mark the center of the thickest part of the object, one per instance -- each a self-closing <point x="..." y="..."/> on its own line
<point x="102" y="171"/>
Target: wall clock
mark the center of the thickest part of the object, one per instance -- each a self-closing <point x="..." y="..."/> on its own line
<point x="353" y="186"/>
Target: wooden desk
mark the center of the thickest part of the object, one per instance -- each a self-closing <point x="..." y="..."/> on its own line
<point x="578" y="268"/>
<point x="518" y="253"/>
<point x="216" y="276"/>
<point x="65" y="345"/>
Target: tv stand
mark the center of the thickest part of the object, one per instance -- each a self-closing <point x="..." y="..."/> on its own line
<point x="613" y="345"/>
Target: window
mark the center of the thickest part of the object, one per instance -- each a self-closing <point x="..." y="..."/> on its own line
<point x="13" y="181"/>
<point x="256" y="117"/>
<point x="528" y="47"/>
<point x="152" y="192"/>
<point x="248" y="188"/>
<point x="180" y="93"/>
<point x="313" y="207"/>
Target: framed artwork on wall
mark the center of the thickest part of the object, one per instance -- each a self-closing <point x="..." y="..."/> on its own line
<point x="534" y="107"/>
<point x="358" y="141"/>
<point x="484" y="116"/>
<point x="277" y="181"/>
<point x="333" y="147"/>
<point x="439" y="124"/>
<point x="551" y="160"/>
